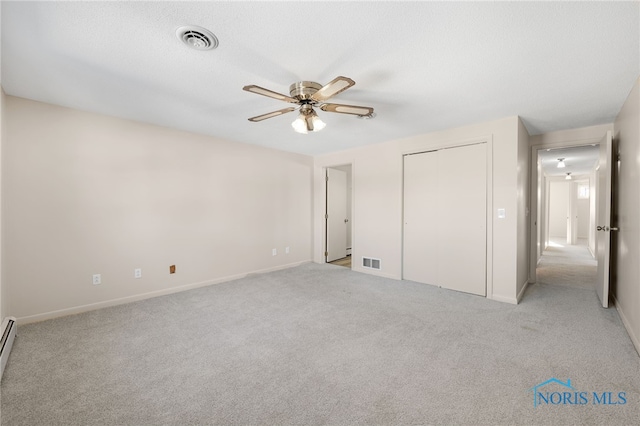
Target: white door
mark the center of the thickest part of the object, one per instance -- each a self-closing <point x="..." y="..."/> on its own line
<point x="336" y="215"/>
<point x="603" y="218"/>
<point x="462" y="220"/>
<point x="420" y="256"/>
<point x="445" y="218"/>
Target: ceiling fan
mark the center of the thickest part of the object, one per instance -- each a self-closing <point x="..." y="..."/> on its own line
<point x="309" y="94"/>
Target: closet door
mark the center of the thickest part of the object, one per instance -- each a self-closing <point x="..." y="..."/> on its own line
<point x="420" y="255"/>
<point x="445" y="239"/>
<point x="462" y="219"/>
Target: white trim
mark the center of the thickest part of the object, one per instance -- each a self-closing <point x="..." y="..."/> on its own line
<point x="5" y="350"/>
<point x="451" y="143"/>
<point x="376" y="272"/>
<point x="497" y="298"/>
<point x="627" y="325"/>
<point x="534" y="221"/>
<point x="521" y="293"/>
<point x="123" y="300"/>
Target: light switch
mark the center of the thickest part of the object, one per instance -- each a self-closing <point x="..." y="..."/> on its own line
<point x="502" y="213"/>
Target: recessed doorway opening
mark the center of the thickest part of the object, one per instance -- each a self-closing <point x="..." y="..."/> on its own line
<point x="338" y="215"/>
<point x="565" y="237"/>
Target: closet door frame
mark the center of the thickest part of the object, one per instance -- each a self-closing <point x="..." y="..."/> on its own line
<point x="418" y="148"/>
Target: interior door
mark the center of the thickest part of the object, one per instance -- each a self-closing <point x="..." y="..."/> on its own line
<point x="445" y="218"/>
<point x="603" y="218"/>
<point x="420" y="251"/>
<point x="462" y="219"/>
<point x="336" y="238"/>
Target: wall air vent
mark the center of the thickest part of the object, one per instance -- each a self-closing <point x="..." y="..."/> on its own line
<point x="371" y="263"/>
<point x="197" y="37"/>
<point x="6" y="342"/>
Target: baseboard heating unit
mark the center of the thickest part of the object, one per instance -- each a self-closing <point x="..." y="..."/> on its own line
<point x="9" y="327"/>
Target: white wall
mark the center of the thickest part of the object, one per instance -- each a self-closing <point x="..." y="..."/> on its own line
<point x="626" y="288"/>
<point x="4" y="311"/>
<point x="539" y="227"/>
<point x="377" y="192"/>
<point x="592" y="212"/>
<point x="584" y="218"/>
<point x="87" y="194"/>
<point x="558" y="208"/>
<point x="523" y="235"/>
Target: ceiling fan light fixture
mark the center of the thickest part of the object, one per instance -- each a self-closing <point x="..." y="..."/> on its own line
<point x="300" y="125"/>
<point x="307" y="121"/>
<point x="309" y="95"/>
<point x="318" y="124"/>
<point x="561" y="164"/>
<point x="568" y="176"/>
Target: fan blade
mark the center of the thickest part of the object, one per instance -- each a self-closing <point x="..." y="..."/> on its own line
<point x="335" y="86"/>
<point x="347" y="109"/>
<point x="266" y="92"/>
<point x="271" y="114"/>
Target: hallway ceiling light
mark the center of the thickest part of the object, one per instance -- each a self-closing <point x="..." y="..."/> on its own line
<point x="568" y="176"/>
<point x="561" y="164"/>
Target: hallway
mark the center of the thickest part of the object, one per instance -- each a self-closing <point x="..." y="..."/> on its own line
<point x="567" y="265"/>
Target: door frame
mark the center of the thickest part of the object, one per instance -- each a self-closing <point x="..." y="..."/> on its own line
<point x="490" y="217"/>
<point x="324" y="209"/>
<point x="534" y="222"/>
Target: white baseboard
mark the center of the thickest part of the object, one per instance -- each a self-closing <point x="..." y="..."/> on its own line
<point x="121" y="301"/>
<point x="8" y="330"/>
<point x="521" y="293"/>
<point x="627" y="325"/>
<point x="375" y="272"/>
<point x="511" y="300"/>
<point x="498" y="298"/>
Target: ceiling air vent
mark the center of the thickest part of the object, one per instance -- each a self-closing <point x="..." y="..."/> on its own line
<point x="197" y="37"/>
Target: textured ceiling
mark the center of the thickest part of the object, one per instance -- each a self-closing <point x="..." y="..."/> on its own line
<point x="579" y="161"/>
<point x="423" y="66"/>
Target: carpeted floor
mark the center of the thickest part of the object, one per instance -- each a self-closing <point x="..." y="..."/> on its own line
<point x="568" y="265"/>
<point x="321" y="344"/>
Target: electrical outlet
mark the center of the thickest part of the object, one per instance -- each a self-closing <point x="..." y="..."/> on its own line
<point x="137" y="273"/>
<point x="97" y="279"/>
<point x="172" y="269"/>
<point x="274" y="252"/>
<point x="286" y="250"/>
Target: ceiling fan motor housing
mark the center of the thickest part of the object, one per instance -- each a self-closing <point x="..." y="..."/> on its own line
<point x="303" y="90"/>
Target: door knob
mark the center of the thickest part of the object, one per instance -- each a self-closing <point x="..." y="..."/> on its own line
<point x="346" y="220"/>
<point x="613" y="229"/>
<point x="599" y="228"/>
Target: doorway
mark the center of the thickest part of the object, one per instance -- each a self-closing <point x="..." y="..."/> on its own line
<point x="338" y="215"/>
<point x="564" y="228"/>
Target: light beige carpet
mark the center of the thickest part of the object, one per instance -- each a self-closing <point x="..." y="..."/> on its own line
<point x="323" y="345"/>
<point x="567" y="265"/>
